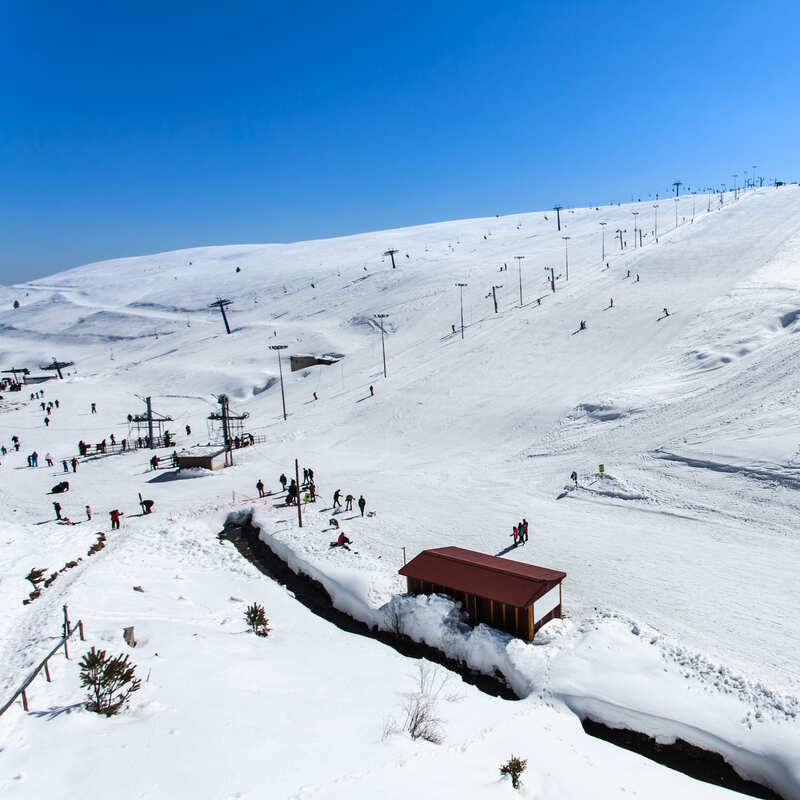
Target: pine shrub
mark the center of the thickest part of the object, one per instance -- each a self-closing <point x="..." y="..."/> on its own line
<point x="256" y="618"/>
<point x="109" y="681"/>
<point x="514" y="767"/>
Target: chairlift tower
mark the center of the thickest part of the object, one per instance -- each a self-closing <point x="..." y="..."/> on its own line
<point x="519" y="267"/>
<point x="15" y="371"/>
<point x="391" y="253"/>
<point x="461" y="289"/>
<point x="232" y="425"/>
<point x="277" y="348"/>
<point x="557" y="209"/>
<point x="151" y="422"/>
<point x="381" y="318"/>
<point x="56" y="366"/>
<point x="221" y="304"/>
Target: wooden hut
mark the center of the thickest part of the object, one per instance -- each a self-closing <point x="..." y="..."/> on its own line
<point x="513" y="597"/>
<point x="203" y="457"/>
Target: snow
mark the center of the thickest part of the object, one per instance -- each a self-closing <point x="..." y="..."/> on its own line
<point x="680" y="601"/>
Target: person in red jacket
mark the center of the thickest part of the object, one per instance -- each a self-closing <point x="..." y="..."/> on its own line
<point x="343" y="541"/>
<point x="115" y="515"/>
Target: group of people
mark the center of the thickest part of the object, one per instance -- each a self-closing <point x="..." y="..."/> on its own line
<point x="47" y="407"/>
<point x="337" y="502"/>
<point x="520" y="533"/>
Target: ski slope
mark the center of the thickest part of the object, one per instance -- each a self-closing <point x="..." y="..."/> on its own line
<point x="690" y="530"/>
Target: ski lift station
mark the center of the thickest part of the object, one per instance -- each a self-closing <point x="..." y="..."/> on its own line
<point x="508" y="595"/>
<point x="210" y="457"/>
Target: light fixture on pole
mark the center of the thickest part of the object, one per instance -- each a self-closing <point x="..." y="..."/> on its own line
<point x="603" y="251"/>
<point x="519" y="267"/>
<point x="566" y="254"/>
<point x="635" y="215"/>
<point x="278" y="348"/>
<point x="461" y="290"/>
<point x="381" y="318"/>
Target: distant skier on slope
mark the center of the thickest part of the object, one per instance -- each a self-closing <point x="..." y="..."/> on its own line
<point x="260" y="487"/>
<point x="362" y="504"/>
<point x="574" y="477"/>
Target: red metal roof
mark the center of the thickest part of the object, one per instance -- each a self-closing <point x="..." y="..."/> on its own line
<point x="498" y="579"/>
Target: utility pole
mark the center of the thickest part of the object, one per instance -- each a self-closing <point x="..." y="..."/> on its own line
<point x="635" y="215"/>
<point x="655" y="229"/>
<point x="735" y="186"/>
<point x="603" y="250"/>
<point x="619" y="233"/>
<point x="278" y="348"/>
<point x="566" y="254"/>
<point x="224" y="416"/>
<point x="519" y="266"/>
<point x="220" y="303"/>
<point x="381" y="318"/>
<point x="677" y="185"/>
<point x="552" y="271"/>
<point x="557" y="209"/>
<point x="299" y="501"/>
<point x="675" y="199"/>
<point x="391" y="253"/>
<point x="461" y="289"/>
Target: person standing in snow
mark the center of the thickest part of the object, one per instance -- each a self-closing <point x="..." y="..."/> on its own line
<point x="348" y="502"/>
<point x="372" y="391"/>
<point x="115" y="515"/>
<point x="47" y="422"/>
<point x="282" y="480"/>
<point x="64" y="465"/>
<point x="89" y="513"/>
<point x="666" y="313"/>
<point x="611" y="303"/>
<point x="74" y="463"/>
<point x="521" y="533"/>
<point x="574" y="477"/>
<point x="336" y="494"/>
<point x="362" y="504"/>
<point x="34" y="459"/>
<point x="515" y="534"/>
<point x="94" y="408"/>
<point x="260" y="487"/>
<point x="525" y="528"/>
<point x="188" y="430"/>
<point x="49" y="459"/>
<point x="57" y="507"/>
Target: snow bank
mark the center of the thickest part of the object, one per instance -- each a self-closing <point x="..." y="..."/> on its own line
<point x="603" y="667"/>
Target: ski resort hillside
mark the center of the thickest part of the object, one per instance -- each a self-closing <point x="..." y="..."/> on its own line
<point x="649" y="348"/>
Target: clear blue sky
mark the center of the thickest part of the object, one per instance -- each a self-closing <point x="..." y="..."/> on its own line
<point x="130" y="128"/>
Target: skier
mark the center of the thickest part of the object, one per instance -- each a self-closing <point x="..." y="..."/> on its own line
<point x="56" y="403"/>
<point x="74" y="463"/>
<point x="371" y="391"/>
<point x="629" y="274"/>
<point x="282" y="481"/>
<point x="94" y="408"/>
<point x="292" y="494"/>
<point x="521" y="533"/>
<point x="336" y="503"/>
<point x="312" y="490"/>
<point x="34" y="459"/>
<point x="115" y="515"/>
<point x="305" y="475"/>
<point x="348" y="502"/>
<point x="89" y="513"/>
<point x="57" y="507"/>
<point x="343" y="541"/>
<point x="666" y="313"/>
<point x="49" y="459"/>
<point x="574" y="477"/>
<point x="113" y="440"/>
<point x="611" y="303"/>
<point x="188" y="430"/>
<point x="147" y="506"/>
<point x="454" y="328"/>
<point x="582" y="325"/>
<point x="260" y="487"/>
<point x="47" y="422"/>
<point x="64" y="465"/>
<point x="637" y="277"/>
<point x="315" y="396"/>
<point x="515" y="535"/>
<point x="311" y="474"/>
<point x="362" y="504"/>
<point x="525" y="528"/>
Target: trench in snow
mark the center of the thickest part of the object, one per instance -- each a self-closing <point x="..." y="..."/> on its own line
<point x="703" y="765"/>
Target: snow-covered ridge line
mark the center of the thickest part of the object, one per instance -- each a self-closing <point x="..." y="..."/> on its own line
<point x="608" y="669"/>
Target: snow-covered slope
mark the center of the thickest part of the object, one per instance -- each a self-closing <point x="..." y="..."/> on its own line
<point x="690" y="529"/>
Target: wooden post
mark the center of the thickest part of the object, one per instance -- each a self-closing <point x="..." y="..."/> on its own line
<point x="491" y="612"/>
<point x="47" y="672"/>
<point x="530" y="623"/>
<point x="299" y="500"/>
<point x="24" y="700"/>
<point x="516" y="621"/>
<point x="80" y="630"/>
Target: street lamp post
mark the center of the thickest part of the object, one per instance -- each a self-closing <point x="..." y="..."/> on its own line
<point x="519" y="266"/>
<point x="603" y="251"/>
<point x="278" y="348"/>
<point x="676" y="212"/>
<point x="655" y="227"/>
<point x="619" y="233"/>
<point x="461" y="289"/>
<point x="635" y="215"/>
<point x="381" y="318"/>
<point x="566" y="254"/>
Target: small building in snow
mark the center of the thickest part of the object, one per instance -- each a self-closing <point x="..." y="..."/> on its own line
<point x="203" y="457"/>
<point x="508" y="595"/>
